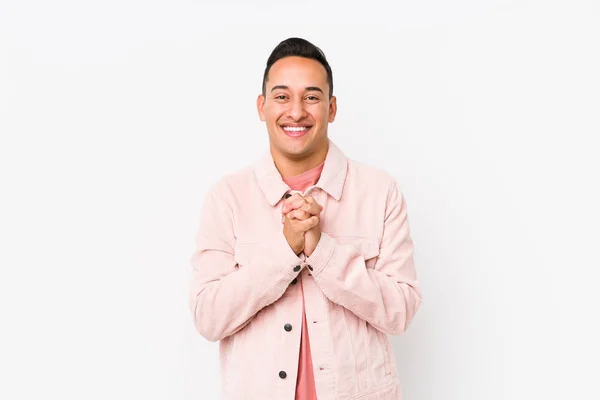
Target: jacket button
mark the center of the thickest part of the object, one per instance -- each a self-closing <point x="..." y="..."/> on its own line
<point x="287" y="327"/>
<point x="282" y="374"/>
<point x="309" y="267"/>
<point x="296" y="268"/>
<point x="295" y="281"/>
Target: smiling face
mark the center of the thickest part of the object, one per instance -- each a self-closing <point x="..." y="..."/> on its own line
<point x="296" y="108"/>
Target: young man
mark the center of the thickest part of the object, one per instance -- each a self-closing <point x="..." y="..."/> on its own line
<point x="304" y="261"/>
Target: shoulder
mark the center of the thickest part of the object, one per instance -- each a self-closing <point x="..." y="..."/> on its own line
<point x="229" y="183"/>
<point x="371" y="176"/>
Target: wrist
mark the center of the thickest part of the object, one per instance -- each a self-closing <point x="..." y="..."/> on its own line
<point x="313" y="239"/>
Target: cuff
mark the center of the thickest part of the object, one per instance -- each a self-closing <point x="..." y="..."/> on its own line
<point x="322" y="253"/>
<point x="280" y="251"/>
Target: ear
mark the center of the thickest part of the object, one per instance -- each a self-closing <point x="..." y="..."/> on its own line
<point x="332" y="108"/>
<point x="260" y="103"/>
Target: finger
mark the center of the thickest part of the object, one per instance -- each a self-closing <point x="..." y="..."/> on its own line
<point x="292" y="197"/>
<point x="298" y="214"/>
<point x="293" y="203"/>
<point x="312" y="209"/>
<point x="311" y="200"/>
<point x="309" y="223"/>
<point x="315" y="209"/>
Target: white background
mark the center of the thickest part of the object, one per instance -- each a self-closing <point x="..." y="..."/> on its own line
<point x="116" y="116"/>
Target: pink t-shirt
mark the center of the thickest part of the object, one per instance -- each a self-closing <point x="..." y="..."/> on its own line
<point x="305" y="385"/>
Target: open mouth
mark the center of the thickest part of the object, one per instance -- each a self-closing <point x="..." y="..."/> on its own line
<point x="296" y="131"/>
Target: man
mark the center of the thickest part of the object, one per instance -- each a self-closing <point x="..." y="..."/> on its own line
<point x="304" y="261"/>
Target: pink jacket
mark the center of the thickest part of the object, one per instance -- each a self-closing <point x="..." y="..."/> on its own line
<point x="359" y="284"/>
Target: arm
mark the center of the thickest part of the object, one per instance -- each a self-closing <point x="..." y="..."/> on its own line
<point x="386" y="296"/>
<point x="224" y="298"/>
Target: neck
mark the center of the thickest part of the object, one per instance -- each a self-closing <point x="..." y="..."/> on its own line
<point x="288" y="166"/>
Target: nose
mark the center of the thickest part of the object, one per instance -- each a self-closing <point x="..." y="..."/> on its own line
<point x="296" y="109"/>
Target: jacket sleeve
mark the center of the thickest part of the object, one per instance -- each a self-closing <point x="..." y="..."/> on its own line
<point x="223" y="297"/>
<point x="386" y="296"/>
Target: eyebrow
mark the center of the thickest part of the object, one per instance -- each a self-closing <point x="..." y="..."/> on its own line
<point x="308" y="88"/>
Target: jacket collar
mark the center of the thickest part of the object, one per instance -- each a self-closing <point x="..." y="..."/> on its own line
<point x="331" y="181"/>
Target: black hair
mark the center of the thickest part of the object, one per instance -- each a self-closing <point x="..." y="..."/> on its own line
<point x="300" y="48"/>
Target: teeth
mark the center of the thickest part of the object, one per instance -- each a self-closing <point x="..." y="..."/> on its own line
<point x="294" y="128"/>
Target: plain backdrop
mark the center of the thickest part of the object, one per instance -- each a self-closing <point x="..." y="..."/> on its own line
<point x="117" y="116"/>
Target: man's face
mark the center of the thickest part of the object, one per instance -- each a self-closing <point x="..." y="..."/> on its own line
<point x="296" y="107"/>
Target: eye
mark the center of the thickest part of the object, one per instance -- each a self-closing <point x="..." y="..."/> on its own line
<point x="312" y="98"/>
<point x="280" y="97"/>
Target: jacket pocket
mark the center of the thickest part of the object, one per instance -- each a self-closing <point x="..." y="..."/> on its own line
<point x="368" y="246"/>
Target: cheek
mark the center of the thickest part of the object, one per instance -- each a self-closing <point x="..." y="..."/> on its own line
<point x="320" y="113"/>
<point x="272" y="114"/>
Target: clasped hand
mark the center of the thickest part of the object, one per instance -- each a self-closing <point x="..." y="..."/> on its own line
<point x="301" y="223"/>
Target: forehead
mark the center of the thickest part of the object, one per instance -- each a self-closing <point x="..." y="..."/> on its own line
<point x="297" y="72"/>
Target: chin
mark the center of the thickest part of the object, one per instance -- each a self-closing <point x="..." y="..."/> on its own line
<point x="296" y="150"/>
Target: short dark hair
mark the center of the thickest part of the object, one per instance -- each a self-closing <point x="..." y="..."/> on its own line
<point x="300" y="48"/>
